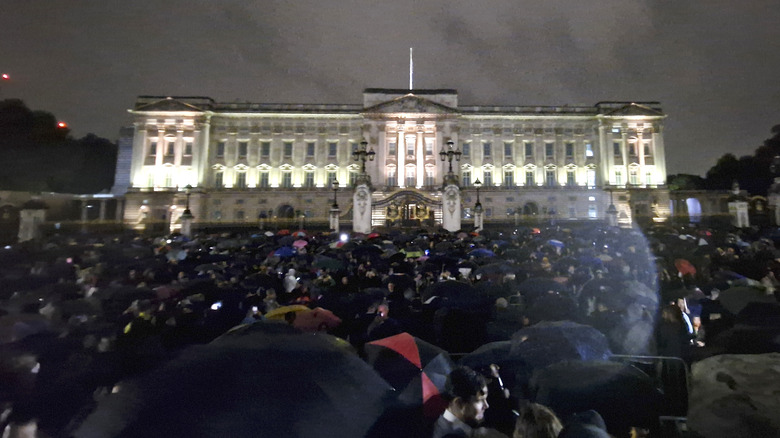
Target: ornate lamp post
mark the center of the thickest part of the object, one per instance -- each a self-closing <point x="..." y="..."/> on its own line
<point x="478" y="220"/>
<point x="334" y="209"/>
<point x="186" y="216"/>
<point x="363" y="154"/>
<point x="449" y="154"/>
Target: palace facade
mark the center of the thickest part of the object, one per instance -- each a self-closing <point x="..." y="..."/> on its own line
<point x="243" y="163"/>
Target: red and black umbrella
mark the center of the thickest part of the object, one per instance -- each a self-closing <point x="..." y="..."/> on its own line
<point x="415" y="368"/>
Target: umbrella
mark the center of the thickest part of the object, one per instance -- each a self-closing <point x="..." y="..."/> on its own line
<point x="284" y="232"/>
<point x="536" y="287"/>
<point x="316" y="320"/>
<point x="269" y="233"/>
<point x="555" y="243"/>
<point x="299" y="233"/>
<point x="328" y="263"/>
<point x="373" y="236"/>
<point x="279" y="313"/>
<point x="737" y="298"/>
<point x="546" y="343"/>
<point x="260" y="379"/>
<point x="416" y="369"/>
<point x="553" y="307"/>
<point x="684" y="267"/>
<point x="285" y="252"/>
<point x="366" y="250"/>
<point x="300" y="243"/>
<point x="450" y="289"/>
<point x="286" y="240"/>
<point x="482" y="252"/>
<point x="622" y="394"/>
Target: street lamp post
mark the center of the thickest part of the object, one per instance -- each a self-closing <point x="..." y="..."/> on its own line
<point x="611" y="210"/>
<point x="334" y="209"/>
<point x="478" y="219"/>
<point x="449" y="154"/>
<point x="363" y="154"/>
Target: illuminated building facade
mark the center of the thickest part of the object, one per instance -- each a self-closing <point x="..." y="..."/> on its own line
<point x="247" y="162"/>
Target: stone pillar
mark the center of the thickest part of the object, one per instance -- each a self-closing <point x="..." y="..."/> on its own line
<point x="451" y="208"/>
<point x="102" y="209"/>
<point x="739" y="214"/>
<point x="401" y="149"/>
<point x="420" y="150"/>
<point x="30" y="220"/>
<point x="361" y="210"/>
<point x="84" y="210"/>
<point x="478" y="219"/>
<point x="334" y="219"/>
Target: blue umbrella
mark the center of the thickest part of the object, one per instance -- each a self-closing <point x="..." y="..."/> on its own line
<point x="285" y="251"/>
<point x="555" y="243"/>
<point x="482" y="252"/>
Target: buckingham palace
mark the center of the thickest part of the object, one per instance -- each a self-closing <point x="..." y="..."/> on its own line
<point x="234" y="164"/>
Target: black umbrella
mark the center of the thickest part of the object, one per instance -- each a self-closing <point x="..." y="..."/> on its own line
<point x="546" y="343"/>
<point x="536" y="287"/>
<point x="737" y="298"/>
<point x="450" y="289"/>
<point x="265" y="379"/>
<point x="622" y="394"/>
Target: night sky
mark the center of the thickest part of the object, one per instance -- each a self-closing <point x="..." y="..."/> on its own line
<point x="714" y="65"/>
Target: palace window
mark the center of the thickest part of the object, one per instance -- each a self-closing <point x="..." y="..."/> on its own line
<point x="487" y="149"/>
<point x="588" y="150"/>
<point x="465" y="178"/>
<point x="428" y="146"/>
<point x="488" y="175"/>
<point x="549" y="148"/>
<point x="169" y="149"/>
<point x="591" y="175"/>
<point x="410" y="144"/>
<point x="633" y="177"/>
<point x="331" y="178"/>
<point x="509" y="178"/>
<point x="308" y="179"/>
<point x="310" y="146"/>
<point x="569" y="150"/>
<point x="287" y="180"/>
<point x="632" y="149"/>
<point x="188" y="149"/>
<point x="391" y="149"/>
<point x="241" y="180"/>
<point x="649" y="178"/>
<point x="570" y="177"/>
<point x="168" y="179"/>
<point x="618" y="178"/>
<point x="592" y="212"/>
<point x="530" y="180"/>
<point x="411" y="177"/>
<point x="529" y="150"/>
<point x="264" y="180"/>
<point x="429" y="179"/>
<point x="218" y="176"/>
<point x="265" y="149"/>
<point x="616" y="149"/>
<point x="243" y="149"/>
<point x="646" y="147"/>
<point x="392" y="180"/>
<point x="466" y="149"/>
<point x="153" y="149"/>
<point x="220" y="149"/>
<point x="288" y="149"/>
<point x="239" y="215"/>
<point x="550" y="177"/>
<point x="508" y="150"/>
<point x="353" y="179"/>
<point x="333" y="148"/>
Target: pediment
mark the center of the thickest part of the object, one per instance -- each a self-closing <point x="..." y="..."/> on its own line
<point x="169" y="104"/>
<point x="410" y="104"/>
<point x="634" y="109"/>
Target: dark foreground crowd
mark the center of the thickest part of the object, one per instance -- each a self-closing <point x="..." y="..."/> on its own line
<point x="81" y="315"/>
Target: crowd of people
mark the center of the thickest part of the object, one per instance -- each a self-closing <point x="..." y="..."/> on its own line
<point x="78" y="314"/>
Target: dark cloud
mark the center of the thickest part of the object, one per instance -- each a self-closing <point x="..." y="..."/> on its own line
<point x="713" y="65"/>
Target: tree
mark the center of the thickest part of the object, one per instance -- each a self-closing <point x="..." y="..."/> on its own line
<point x="39" y="155"/>
<point x="685" y="181"/>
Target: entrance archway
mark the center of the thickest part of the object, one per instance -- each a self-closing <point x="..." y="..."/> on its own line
<point x="406" y="208"/>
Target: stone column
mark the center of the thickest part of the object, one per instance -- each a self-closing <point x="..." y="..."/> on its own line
<point x="478" y="219"/>
<point x="30" y="220"/>
<point x="401" y="150"/>
<point x="361" y="210"/>
<point x="102" y="210"/>
<point x="451" y="208"/>
<point x="420" y="150"/>
<point x="84" y="210"/>
<point x="334" y="219"/>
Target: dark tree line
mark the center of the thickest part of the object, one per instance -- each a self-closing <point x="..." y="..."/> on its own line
<point x="752" y="172"/>
<point x="38" y="155"/>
